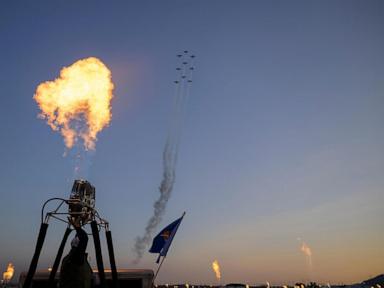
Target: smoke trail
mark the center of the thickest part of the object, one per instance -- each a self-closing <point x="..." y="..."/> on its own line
<point x="165" y="189"/>
<point x="170" y="154"/>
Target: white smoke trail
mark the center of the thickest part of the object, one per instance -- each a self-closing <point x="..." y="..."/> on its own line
<point x="170" y="154"/>
<point x="165" y="189"/>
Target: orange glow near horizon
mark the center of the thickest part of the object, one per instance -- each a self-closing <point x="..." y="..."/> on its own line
<point x="216" y="269"/>
<point x="7" y="275"/>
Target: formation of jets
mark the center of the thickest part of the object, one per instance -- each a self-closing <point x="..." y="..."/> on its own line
<point x="184" y="63"/>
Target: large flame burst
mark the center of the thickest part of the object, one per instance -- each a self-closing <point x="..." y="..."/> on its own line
<point x="82" y="94"/>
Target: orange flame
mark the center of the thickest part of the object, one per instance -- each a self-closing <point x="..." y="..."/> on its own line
<point x="306" y="250"/>
<point x="216" y="268"/>
<point x="83" y="92"/>
<point x="7" y="275"/>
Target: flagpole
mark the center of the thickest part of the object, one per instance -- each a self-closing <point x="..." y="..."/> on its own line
<point x="157" y="271"/>
<point x="162" y="260"/>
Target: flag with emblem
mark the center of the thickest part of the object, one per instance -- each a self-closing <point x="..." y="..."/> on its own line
<point x="163" y="240"/>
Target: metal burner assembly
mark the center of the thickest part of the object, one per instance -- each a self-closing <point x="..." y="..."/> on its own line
<point x="79" y="209"/>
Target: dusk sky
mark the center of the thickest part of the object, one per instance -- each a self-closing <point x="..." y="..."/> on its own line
<point x="282" y="140"/>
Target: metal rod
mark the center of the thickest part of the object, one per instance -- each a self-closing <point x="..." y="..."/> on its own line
<point x="36" y="255"/>
<point x="46" y="202"/>
<point x="58" y="218"/>
<point x="157" y="271"/>
<point x="115" y="282"/>
<point x="99" y="256"/>
<point x="51" y="281"/>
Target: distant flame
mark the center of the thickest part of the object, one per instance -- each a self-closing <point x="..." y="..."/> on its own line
<point x="7" y="275"/>
<point x="216" y="268"/>
<point x="83" y="92"/>
<point x="306" y="250"/>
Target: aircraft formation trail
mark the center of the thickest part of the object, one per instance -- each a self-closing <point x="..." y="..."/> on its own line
<point x="183" y="84"/>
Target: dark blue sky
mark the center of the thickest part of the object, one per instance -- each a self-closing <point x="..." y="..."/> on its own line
<point x="283" y="136"/>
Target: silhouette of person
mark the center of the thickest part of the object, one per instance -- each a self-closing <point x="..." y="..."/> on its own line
<point x="75" y="270"/>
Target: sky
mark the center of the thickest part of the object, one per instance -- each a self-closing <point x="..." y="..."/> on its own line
<point x="282" y="139"/>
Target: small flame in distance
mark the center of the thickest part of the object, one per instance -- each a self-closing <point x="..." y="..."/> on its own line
<point x="306" y="249"/>
<point x="216" y="269"/>
<point x="7" y="275"/>
<point x="78" y="103"/>
<point x="307" y="252"/>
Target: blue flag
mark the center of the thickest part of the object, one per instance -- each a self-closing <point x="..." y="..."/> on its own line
<point x="163" y="240"/>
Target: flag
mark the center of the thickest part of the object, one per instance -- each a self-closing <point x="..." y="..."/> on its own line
<point x="163" y="240"/>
